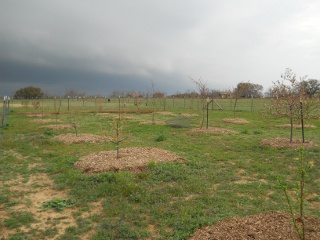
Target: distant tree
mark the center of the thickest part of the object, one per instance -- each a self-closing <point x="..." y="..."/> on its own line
<point x="159" y="94"/>
<point x="29" y="92"/>
<point x="186" y="94"/>
<point x="269" y="93"/>
<point x="215" y="93"/>
<point x="137" y="98"/>
<point x="116" y="94"/>
<point x="248" y="90"/>
<point x="72" y="93"/>
<point x="310" y="86"/>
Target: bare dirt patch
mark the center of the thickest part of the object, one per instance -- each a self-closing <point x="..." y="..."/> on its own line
<point x="213" y="130"/>
<point x="285" y="143"/>
<point x="38" y="189"/>
<point x="70" y="138"/>
<point x="14" y="154"/>
<point x="263" y="226"/>
<point x="134" y="158"/>
<point x="235" y="120"/>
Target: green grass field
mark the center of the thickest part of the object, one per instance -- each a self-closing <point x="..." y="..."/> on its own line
<point x="225" y="175"/>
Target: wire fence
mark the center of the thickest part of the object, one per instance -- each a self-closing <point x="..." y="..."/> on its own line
<point x="5" y="112"/>
<point x="121" y="103"/>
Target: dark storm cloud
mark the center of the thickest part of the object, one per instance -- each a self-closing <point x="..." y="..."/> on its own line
<point x="56" y="81"/>
<point x="95" y="45"/>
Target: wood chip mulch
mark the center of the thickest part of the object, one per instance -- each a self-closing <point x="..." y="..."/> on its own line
<point x="166" y="113"/>
<point x="70" y="138"/>
<point x="46" y="120"/>
<point x="297" y="126"/>
<point x="235" y="120"/>
<point x="285" y="143"/>
<point x="264" y="226"/>
<point x="57" y="126"/>
<point x="134" y="158"/>
<point x="152" y="123"/>
<point x="213" y="130"/>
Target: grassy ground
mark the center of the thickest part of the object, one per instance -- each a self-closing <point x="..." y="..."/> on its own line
<point x="225" y="175"/>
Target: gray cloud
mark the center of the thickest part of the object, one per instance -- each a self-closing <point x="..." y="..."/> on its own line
<point x="95" y="45"/>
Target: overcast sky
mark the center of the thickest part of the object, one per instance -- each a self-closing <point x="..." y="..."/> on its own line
<point x="98" y="46"/>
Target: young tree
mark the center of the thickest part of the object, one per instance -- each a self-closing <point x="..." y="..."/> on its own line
<point x="203" y="92"/>
<point x="291" y="101"/>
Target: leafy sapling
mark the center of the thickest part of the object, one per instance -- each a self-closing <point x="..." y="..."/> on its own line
<point x="297" y="215"/>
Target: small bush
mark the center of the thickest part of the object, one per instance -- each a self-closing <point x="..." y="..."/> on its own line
<point x="160" y="138"/>
<point x="58" y="204"/>
<point x="49" y="132"/>
<point x="245" y="131"/>
<point x="257" y="132"/>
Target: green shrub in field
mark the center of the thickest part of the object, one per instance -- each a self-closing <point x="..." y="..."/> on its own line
<point x="49" y="132"/>
<point x="257" y="132"/>
<point x="161" y="137"/>
<point x="58" y="204"/>
<point x="245" y="131"/>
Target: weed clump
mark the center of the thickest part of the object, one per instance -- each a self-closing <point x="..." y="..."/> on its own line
<point x="58" y="204"/>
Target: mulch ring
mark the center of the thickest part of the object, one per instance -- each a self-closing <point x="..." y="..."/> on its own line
<point x="235" y="120"/>
<point x="70" y="138"/>
<point x="166" y="113"/>
<point x="297" y="126"/>
<point x="57" y="126"/>
<point x="152" y="123"/>
<point x="264" y="226"/>
<point x="285" y="143"/>
<point x="134" y="158"/>
<point x="46" y="120"/>
<point x="212" y="130"/>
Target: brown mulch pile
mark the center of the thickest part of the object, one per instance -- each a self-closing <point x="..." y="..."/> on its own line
<point x="285" y="143"/>
<point x="46" y="120"/>
<point x="264" y="226"/>
<point x="297" y="126"/>
<point x="189" y="115"/>
<point x="153" y="123"/>
<point x="235" y="120"/>
<point x="134" y="158"/>
<point x="57" y="126"/>
<point x="70" y="138"/>
<point x="167" y="113"/>
<point x="213" y="130"/>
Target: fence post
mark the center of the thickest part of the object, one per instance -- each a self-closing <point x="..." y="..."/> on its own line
<point x="4" y="111"/>
<point x="251" y="102"/>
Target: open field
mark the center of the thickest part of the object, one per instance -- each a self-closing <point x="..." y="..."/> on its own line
<point x="196" y="179"/>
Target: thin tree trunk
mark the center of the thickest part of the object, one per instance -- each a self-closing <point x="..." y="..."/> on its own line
<point x="291" y="124"/>
<point x="302" y="124"/>
<point x="234" y="107"/>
